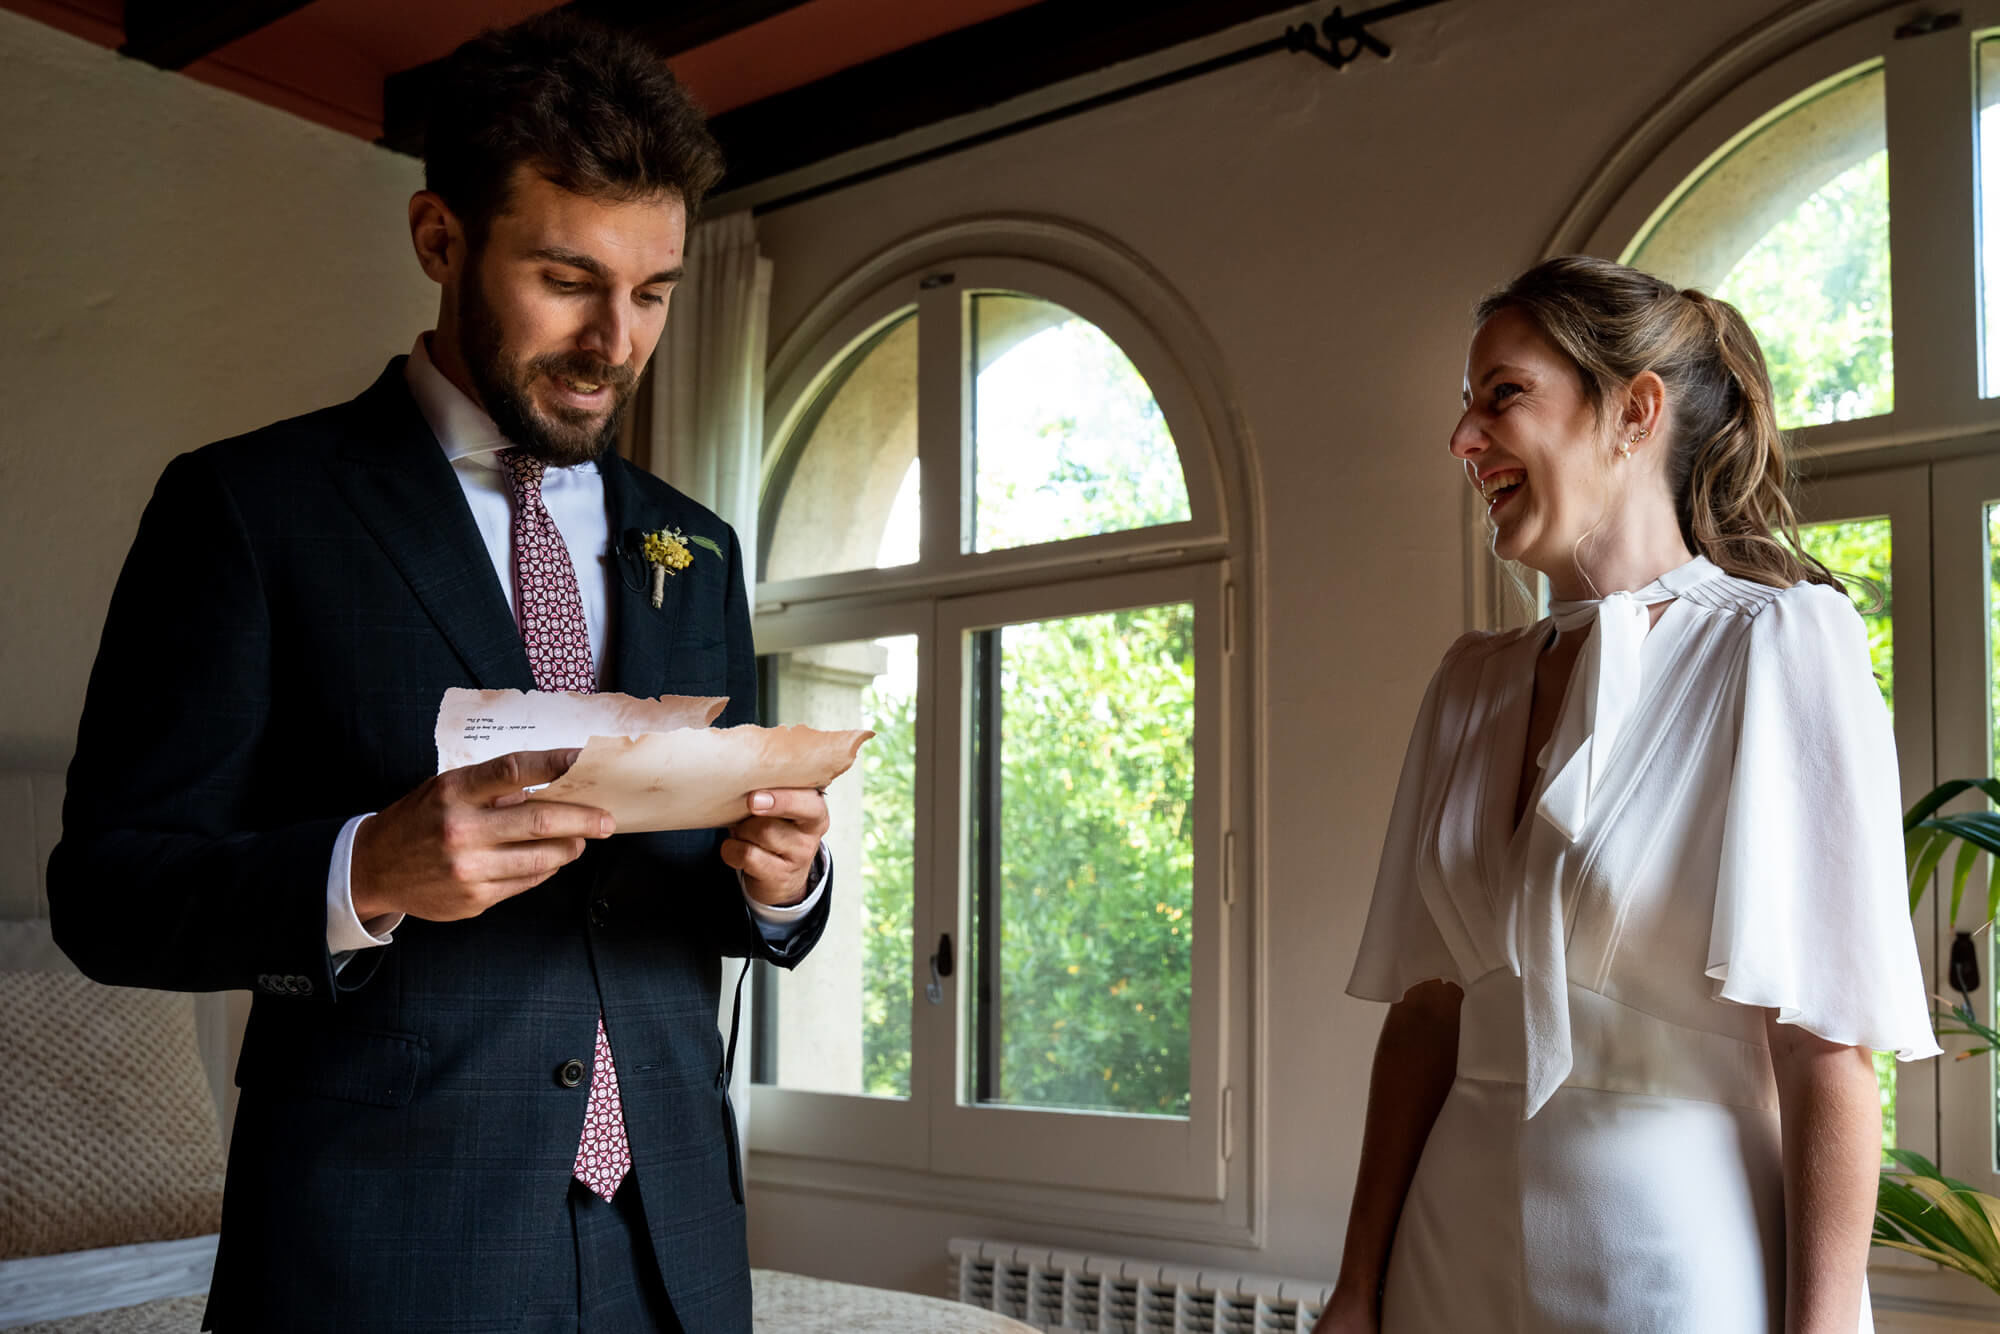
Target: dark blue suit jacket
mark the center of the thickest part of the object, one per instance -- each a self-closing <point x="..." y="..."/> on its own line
<point x="296" y="602"/>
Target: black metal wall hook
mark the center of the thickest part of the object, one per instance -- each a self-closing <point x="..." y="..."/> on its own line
<point x="1340" y="37"/>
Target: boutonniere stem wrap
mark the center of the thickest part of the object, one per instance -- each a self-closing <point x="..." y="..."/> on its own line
<point x="666" y="551"/>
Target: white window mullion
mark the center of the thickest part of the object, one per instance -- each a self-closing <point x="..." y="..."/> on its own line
<point x="1932" y="232"/>
<point x="1961" y="491"/>
<point x="943" y="407"/>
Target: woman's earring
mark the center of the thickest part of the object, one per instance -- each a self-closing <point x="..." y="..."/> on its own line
<point x="1625" y="449"/>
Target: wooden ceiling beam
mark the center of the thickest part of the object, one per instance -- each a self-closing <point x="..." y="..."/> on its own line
<point x="1003" y="59"/>
<point x="672" y="29"/>
<point x="951" y="75"/>
<point x="961" y="72"/>
<point x="668" y="29"/>
<point x="173" y="34"/>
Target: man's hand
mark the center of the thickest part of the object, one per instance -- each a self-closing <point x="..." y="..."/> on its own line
<point x="774" y="848"/>
<point x="469" y="838"/>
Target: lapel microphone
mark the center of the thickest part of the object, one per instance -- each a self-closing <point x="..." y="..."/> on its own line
<point x="629" y="550"/>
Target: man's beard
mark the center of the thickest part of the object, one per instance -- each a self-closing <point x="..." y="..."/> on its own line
<point x="564" y="441"/>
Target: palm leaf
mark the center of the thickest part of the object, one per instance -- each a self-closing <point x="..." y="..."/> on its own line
<point x="1945" y="1258"/>
<point x="1981" y="827"/>
<point x="1925" y="861"/>
<point x="1992" y="888"/>
<point x="1983" y="1252"/>
<point x="1956" y="1020"/>
<point x="1920" y="1210"/>
<point x="1913" y="1162"/>
<point x="1944" y="792"/>
<point x="1968" y="853"/>
<point x="1957" y="1228"/>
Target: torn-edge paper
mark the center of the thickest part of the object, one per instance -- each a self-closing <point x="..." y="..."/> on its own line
<point x="653" y="764"/>
<point x="474" y="726"/>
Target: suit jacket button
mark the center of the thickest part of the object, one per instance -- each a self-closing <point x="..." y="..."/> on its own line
<point x="600" y="910"/>
<point x="569" y="1074"/>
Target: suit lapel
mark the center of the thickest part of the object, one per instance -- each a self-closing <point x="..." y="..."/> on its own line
<point x="404" y="492"/>
<point x="640" y="631"/>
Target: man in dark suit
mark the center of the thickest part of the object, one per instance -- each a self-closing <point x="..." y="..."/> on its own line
<point x="482" y="1084"/>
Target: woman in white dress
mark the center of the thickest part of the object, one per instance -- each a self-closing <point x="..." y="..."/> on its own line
<point x="1640" y="913"/>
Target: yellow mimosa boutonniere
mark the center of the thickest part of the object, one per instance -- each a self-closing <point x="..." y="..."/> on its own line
<point x="667" y="552"/>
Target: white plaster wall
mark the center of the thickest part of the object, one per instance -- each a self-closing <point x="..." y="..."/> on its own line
<point x="1332" y="232"/>
<point x="182" y="264"/>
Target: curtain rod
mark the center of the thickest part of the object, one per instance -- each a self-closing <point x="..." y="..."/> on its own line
<point x="1339" y="40"/>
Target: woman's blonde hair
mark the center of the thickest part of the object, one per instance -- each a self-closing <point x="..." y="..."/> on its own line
<point x="1727" y="465"/>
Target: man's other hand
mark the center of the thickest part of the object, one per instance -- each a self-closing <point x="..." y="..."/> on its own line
<point x="468" y="838"/>
<point x="775" y="846"/>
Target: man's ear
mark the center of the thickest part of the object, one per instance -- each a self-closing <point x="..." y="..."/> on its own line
<point x="437" y="235"/>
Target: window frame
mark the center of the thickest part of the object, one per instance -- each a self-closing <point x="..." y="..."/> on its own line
<point x="1197" y="1178"/>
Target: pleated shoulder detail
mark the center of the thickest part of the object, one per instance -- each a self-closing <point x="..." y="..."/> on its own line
<point x="1727" y="593"/>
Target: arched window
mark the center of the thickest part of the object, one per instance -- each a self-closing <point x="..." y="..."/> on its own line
<point x="998" y="532"/>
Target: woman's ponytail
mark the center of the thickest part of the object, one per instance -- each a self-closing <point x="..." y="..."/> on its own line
<point x="1734" y="484"/>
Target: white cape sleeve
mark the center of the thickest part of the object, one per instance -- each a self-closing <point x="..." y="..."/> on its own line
<point x="1401" y="946"/>
<point x="1811" y="905"/>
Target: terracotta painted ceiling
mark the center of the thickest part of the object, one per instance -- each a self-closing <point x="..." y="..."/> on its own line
<point x="327" y="60"/>
<point x="788" y="84"/>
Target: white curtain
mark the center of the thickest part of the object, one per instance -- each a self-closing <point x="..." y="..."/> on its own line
<point x="704" y="433"/>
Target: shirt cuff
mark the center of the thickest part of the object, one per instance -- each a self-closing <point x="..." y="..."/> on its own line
<point x="780" y="924"/>
<point x="344" y="931"/>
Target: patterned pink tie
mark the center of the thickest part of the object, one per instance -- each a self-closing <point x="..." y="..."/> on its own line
<point x="550" y="612"/>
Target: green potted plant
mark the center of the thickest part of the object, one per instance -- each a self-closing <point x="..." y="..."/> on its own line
<point x="1917" y="1208"/>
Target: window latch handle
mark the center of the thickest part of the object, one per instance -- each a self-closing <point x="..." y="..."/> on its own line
<point x="940" y="969"/>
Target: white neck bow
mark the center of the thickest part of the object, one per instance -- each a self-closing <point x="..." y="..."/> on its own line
<point x="1603" y="691"/>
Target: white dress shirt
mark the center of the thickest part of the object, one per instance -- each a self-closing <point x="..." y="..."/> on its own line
<point x="575" y="500"/>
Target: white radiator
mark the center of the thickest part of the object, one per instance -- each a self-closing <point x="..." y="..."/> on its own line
<point x="1067" y="1290"/>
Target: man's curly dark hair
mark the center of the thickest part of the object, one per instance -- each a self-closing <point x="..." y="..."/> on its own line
<point x="593" y="110"/>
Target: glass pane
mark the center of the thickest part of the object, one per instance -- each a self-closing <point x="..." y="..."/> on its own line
<point x="1858" y="550"/>
<point x="1993" y="749"/>
<point x="845" y="493"/>
<point x="1988" y="50"/>
<point x="842" y="1025"/>
<point x="1067" y="440"/>
<point x="1791" y="226"/>
<point x="1084" y="935"/>
<point x="1993" y="633"/>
